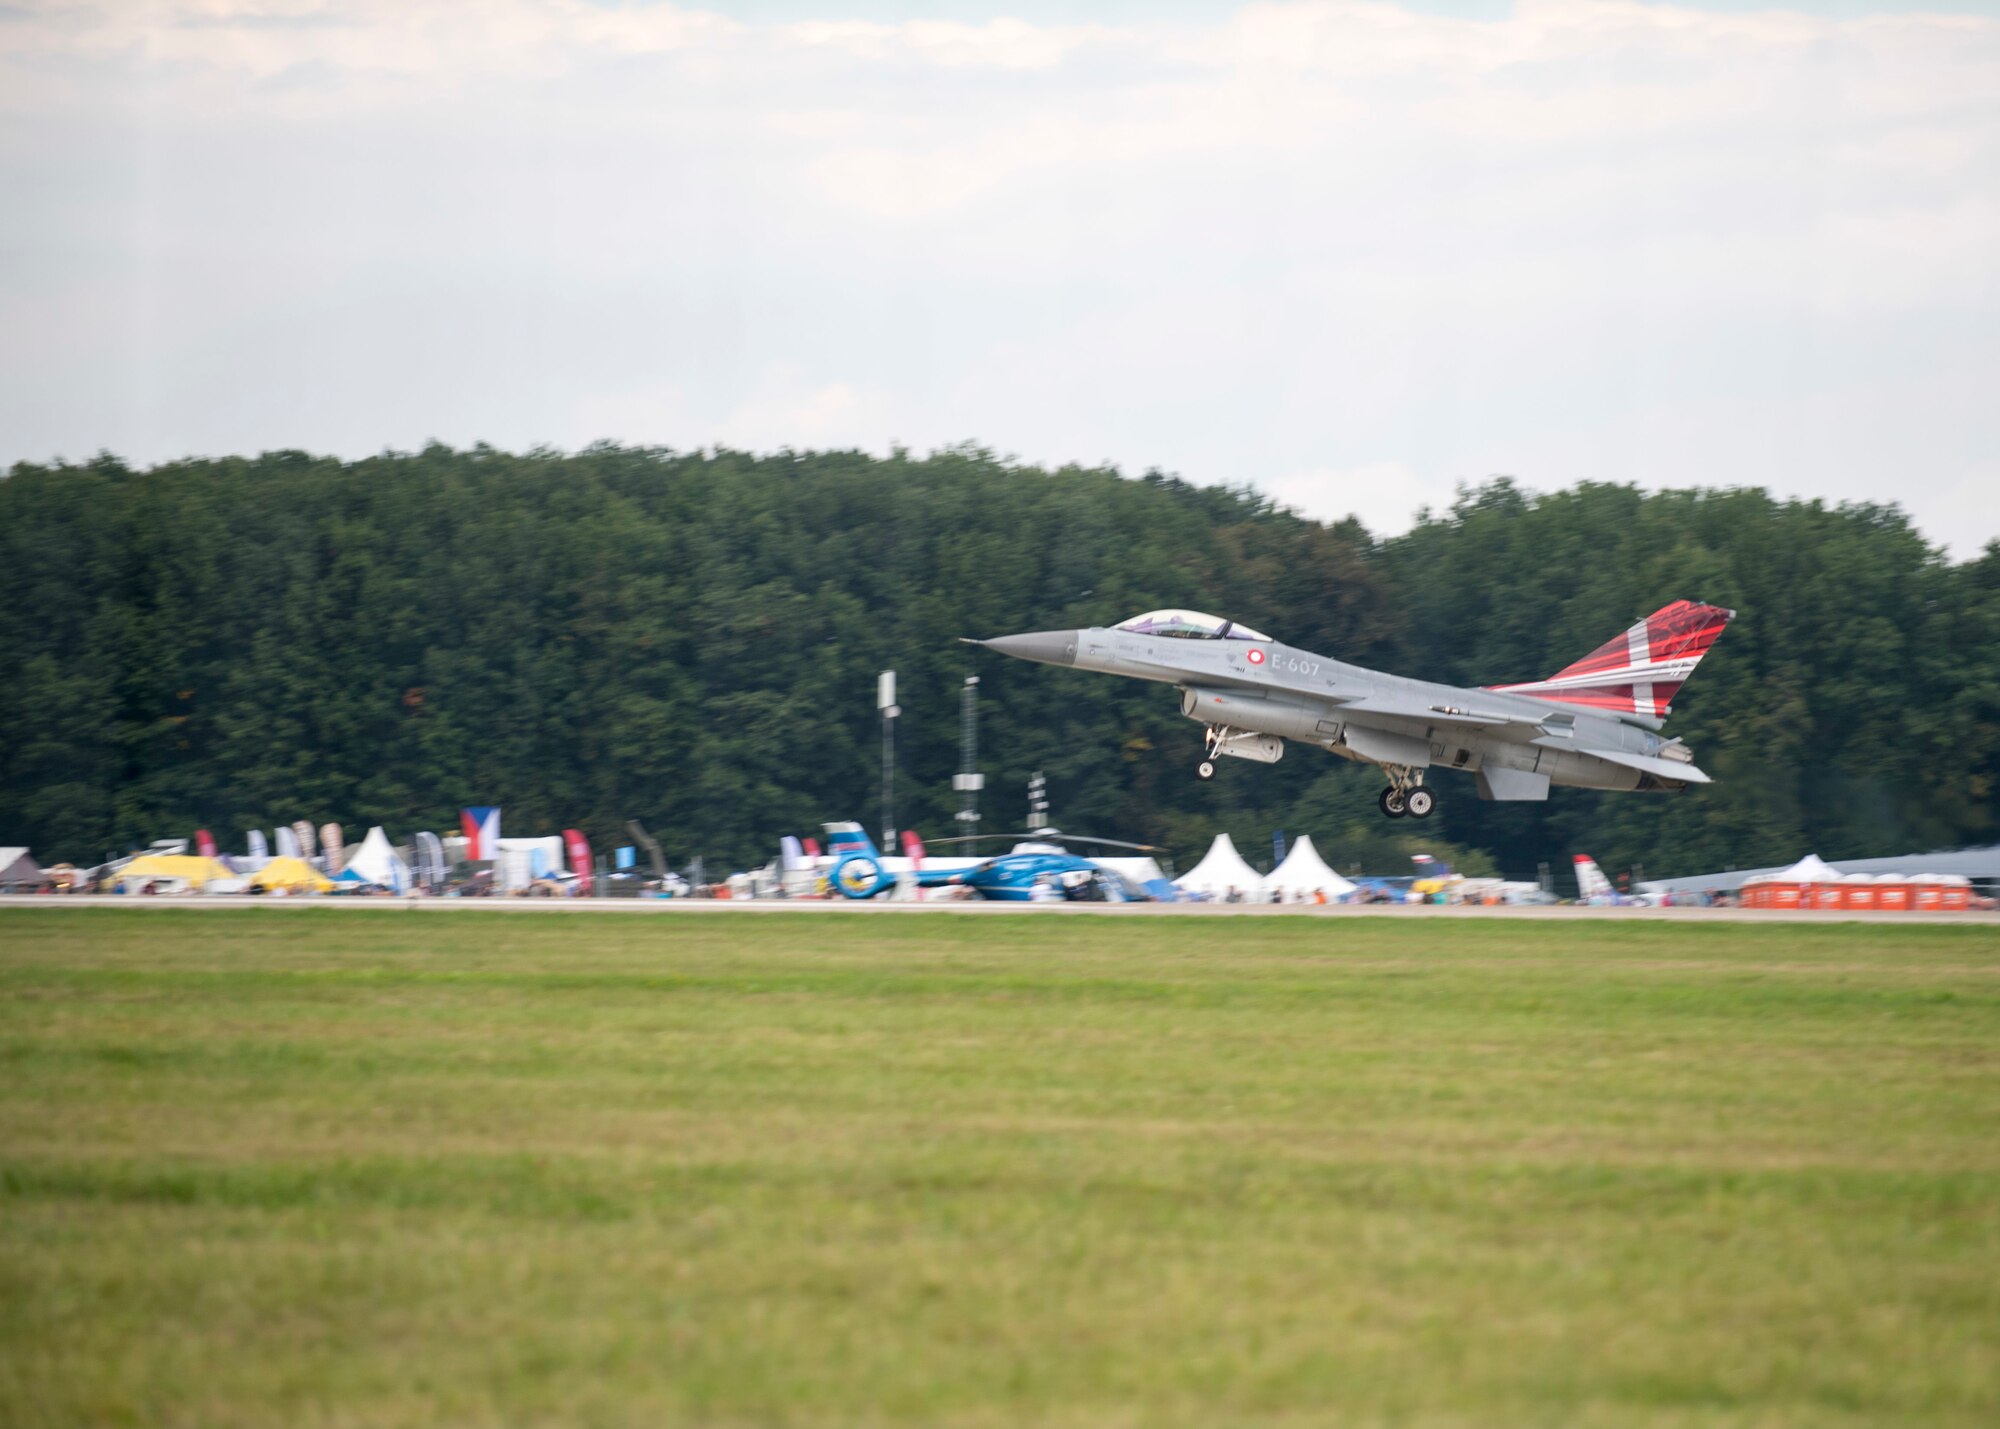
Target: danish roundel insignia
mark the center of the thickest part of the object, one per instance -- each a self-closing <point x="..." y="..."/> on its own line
<point x="1256" y="657"/>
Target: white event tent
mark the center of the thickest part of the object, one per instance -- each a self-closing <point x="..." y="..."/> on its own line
<point x="1810" y="869"/>
<point x="1304" y="873"/>
<point x="1221" y="869"/>
<point x="376" y="862"/>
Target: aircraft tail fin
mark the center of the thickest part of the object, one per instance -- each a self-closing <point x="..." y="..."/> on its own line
<point x="1640" y="671"/>
<point x="848" y="837"/>
<point x="1590" y="880"/>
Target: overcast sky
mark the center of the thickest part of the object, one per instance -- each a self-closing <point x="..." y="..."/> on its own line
<point x="1353" y="254"/>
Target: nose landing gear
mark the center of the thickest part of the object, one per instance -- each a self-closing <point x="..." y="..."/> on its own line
<point x="1212" y="739"/>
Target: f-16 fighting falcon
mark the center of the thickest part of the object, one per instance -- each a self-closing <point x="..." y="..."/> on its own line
<point x="1593" y="725"/>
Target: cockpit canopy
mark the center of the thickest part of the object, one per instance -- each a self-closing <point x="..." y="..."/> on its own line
<point x="1189" y="625"/>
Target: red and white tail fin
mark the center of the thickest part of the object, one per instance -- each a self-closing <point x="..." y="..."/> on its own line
<point x="1642" y="670"/>
<point x="1590" y="880"/>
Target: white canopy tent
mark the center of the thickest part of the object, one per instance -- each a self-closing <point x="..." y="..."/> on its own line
<point x="376" y="862"/>
<point x="546" y="854"/>
<point x="1221" y="869"/>
<point x="1811" y="869"/>
<point x="17" y="868"/>
<point x="1304" y="873"/>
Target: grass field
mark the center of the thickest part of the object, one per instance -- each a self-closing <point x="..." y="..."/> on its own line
<point x="366" y="1168"/>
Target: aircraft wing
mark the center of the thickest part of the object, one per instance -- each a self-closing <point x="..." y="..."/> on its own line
<point x="1432" y="713"/>
<point x="1475" y="718"/>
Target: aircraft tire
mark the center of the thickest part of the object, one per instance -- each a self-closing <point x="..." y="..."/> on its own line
<point x="1205" y="770"/>
<point x="1392" y="803"/>
<point x="1418" y="803"/>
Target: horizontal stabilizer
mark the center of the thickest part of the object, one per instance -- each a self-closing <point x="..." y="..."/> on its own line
<point x="1644" y="763"/>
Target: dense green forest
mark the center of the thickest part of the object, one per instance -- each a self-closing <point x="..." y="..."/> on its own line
<point x="693" y="640"/>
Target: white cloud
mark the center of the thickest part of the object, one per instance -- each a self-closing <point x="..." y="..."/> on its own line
<point x="1385" y="495"/>
<point x="1001" y="43"/>
<point x="1353" y="252"/>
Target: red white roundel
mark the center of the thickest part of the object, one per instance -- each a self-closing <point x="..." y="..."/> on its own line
<point x="1256" y="657"/>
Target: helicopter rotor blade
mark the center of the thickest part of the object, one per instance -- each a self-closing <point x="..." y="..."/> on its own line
<point x="1045" y="835"/>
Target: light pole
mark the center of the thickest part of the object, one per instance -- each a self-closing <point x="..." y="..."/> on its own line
<point x="885" y="701"/>
<point x="968" y="781"/>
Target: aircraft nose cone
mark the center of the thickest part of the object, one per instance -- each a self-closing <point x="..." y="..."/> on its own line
<point x="1050" y="647"/>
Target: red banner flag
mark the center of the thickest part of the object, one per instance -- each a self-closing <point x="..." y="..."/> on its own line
<point x="578" y="848"/>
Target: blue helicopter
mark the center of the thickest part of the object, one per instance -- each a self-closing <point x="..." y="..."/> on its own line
<point x="1038" y="868"/>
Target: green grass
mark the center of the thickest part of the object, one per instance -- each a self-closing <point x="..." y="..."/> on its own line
<point x="370" y="1168"/>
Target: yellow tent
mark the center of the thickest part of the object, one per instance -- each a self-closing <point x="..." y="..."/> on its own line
<point x="293" y="873"/>
<point x="195" y="870"/>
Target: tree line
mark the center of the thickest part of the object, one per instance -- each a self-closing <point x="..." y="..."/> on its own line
<point x="693" y="639"/>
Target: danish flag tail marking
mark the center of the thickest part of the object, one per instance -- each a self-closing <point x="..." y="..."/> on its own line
<point x="1642" y="670"/>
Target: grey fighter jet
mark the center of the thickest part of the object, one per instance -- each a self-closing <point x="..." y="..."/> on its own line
<point x="1592" y="725"/>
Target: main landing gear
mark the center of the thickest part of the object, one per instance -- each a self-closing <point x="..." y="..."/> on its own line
<point x="1406" y="794"/>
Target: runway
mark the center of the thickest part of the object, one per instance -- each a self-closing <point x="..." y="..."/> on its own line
<point x="839" y="907"/>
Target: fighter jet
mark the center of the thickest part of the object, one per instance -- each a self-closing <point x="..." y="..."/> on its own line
<point x="1592" y="725"/>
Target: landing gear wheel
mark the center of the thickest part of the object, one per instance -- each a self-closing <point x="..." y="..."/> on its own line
<point x="1205" y="769"/>
<point x="1392" y="803"/>
<point x="1419" y="802"/>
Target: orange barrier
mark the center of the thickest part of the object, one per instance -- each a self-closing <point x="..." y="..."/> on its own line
<point x="1889" y="893"/>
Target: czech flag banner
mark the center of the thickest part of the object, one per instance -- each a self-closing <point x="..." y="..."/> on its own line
<point x="482" y="833"/>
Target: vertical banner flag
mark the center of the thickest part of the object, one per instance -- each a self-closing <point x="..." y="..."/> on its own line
<point x="579" y="858"/>
<point x="431" y="861"/>
<point x="204" y="843"/>
<point x="288" y="842"/>
<point x="335" y="846"/>
<point x="791" y="853"/>
<point x="482" y="833"/>
<point x="304" y="833"/>
<point x="259" y="850"/>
